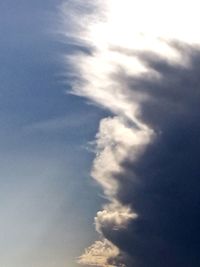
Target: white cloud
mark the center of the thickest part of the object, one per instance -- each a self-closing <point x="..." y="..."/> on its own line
<point x="114" y="216"/>
<point x="99" y="253"/>
<point x="115" y="141"/>
<point x="116" y="27"/>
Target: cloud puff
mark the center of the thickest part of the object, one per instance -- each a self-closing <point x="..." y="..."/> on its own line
<point x="113" y="216"/>
<point x="145" y="70"/>
<point x="98" y="253"/>
<point x="114" y="141"/>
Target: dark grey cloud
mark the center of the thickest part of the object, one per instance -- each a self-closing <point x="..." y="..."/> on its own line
<point x="162" y="186"/>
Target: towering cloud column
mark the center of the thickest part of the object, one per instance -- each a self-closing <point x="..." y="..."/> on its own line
<point x="136" y="61"/>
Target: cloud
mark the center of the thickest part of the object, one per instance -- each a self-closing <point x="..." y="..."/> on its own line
<point x="162" y="186"/>
<point x="70" y="121"/>
<point x="144" y="69"/>
<point x="114" y="141"/>
<point x="98" y="253"/>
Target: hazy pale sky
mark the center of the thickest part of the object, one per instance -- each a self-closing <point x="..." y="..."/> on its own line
<point x="44" y="164"/>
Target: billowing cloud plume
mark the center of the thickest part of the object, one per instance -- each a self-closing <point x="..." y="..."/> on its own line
<point x="98" y="253"/>
<point x="141" y="62"/>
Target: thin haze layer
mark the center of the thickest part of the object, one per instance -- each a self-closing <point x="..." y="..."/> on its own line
<point x="135" y="59"/>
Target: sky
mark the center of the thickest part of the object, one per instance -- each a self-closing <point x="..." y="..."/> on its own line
<point x="44" y="134"/>
<point x="99" y="133"/>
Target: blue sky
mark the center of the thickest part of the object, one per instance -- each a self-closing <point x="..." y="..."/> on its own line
<point x="44" y="163"/>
